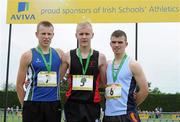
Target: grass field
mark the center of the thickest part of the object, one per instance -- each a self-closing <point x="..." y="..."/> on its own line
<point x="11" y="118"/>
<point x="18" y="118"/>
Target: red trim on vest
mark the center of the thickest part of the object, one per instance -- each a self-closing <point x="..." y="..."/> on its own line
<point x="68" y="92"/>
<point x="97" y="97"/>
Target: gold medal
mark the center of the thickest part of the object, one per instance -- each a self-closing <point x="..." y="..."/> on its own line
<point x="83" y="80"/>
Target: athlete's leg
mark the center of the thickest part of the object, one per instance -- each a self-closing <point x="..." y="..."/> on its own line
<point x="52" y="111"/>
<point x="32" y="112"/>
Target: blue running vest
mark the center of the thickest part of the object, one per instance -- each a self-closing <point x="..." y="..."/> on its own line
<point x="44" y="94"/>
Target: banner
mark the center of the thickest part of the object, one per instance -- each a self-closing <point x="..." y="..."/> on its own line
<point x="95" y="11"/>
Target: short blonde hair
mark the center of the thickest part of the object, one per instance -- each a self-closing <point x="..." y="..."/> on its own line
<point x="83" y="25"/>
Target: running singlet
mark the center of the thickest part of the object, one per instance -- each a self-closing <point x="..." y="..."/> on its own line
<point x="123" y="102"/>
<point x="89" y="91"/>
<point x="44" y="85"/>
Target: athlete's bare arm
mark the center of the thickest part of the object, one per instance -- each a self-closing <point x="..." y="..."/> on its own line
<point x="62" y="57"/>
<point x="60" y="53"/>
<point x="21" y="77"/>
<point x="140" y="80"/>
<point x="65" y="64"/>
<point x="102" y="68"/>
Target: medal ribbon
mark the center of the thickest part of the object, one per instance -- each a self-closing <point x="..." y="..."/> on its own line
<point x="119" y="68"/>
<point x="87" y="61"/>
<point x="47" y="64"/>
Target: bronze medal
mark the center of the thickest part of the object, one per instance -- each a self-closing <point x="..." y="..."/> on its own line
<point x="83" y="80"/>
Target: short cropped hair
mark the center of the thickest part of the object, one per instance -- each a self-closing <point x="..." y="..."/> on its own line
<point x="83" y="24"/>
<point x="119" y="33"/>
<point x="45" y="24"/>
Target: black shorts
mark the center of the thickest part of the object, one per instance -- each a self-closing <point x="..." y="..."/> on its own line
<point x="82" y="112"/>
<point x="42" y="111"/>
<point x="131" y="117"/>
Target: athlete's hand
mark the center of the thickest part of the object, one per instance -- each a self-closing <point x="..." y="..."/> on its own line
<point x="135" y="95"/>
<point x="26" y="84"/>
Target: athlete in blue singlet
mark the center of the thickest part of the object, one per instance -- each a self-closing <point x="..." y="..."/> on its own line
<point x="40" y="67"/>
<point x="123" y="74"/>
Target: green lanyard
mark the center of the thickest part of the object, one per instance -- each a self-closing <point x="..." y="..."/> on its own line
<point x="119" y="68"/>
<point x="48" y="65"/>
<point x="87" y="62"/>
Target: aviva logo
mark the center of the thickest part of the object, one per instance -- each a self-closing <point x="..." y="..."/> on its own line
<point x="22" y="14"/>
<point x="23" y="6"/>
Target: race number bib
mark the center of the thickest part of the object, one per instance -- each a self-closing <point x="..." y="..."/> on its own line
<point x="82" y="82"/>
<point x="113" y="91"/>
<point x="45" y="79"/>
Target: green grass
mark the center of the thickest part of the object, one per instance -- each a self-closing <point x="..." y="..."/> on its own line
<point x="160" y="120"/>
<point x="11" y="118"/>
<point x="18" y="118"/>
<point x="163" y="118"/>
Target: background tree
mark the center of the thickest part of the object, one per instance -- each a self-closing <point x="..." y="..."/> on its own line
<point x="11" y="87"/>
<point x="156" y="91"/>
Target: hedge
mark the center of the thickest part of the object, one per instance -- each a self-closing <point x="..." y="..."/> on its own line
<point x="169" y="102"/>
